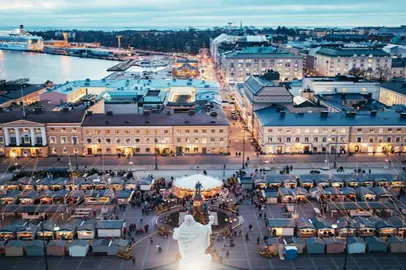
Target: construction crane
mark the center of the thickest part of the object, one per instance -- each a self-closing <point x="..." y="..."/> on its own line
<point x="119" y="41"/>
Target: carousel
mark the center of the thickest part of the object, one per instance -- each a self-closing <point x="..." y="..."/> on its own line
<point x="186" y="186"/>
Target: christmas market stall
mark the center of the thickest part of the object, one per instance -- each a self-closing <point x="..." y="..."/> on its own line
<point x="56" y="248"/>
<point x="246" y="182"/>
<point x="28" y="231"/>
<point x="99" y="196"/>
<point x="334" y="245"/>
<point x="270" y="196"/>
<point x="315" y="245"/>
<point x="397" y="244"/>
<point x="46" y="230"/>
<point x="296" y="242"/>
<point x="123" y="196"/>
<point x="344" y="229"/>
<point x="9" y="231"/>
<point x="28" y="197"/>
<point x="15" y="248"/>
<point x="399" y="224"/>
<point x="365" y="227"/>
<point x="86" y="229"/>
<point x="110" y="228"/>
<point x="323" y="227"/>
<point x="306" y="181"/>
<point x="35" y="248"/>
<point x="281" y="226"/>
<point x="78" y="248"/>
<point x="9" y="197"/>
<point x="26" y="183"/>
<point x="376" y="244"/>
<point x="382" y="227"/>
<point x="305" y="228"/>
<point x="145" y="183"/>
<point x="65" y="231"/>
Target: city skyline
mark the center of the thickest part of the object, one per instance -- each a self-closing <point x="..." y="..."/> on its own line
<point x="180" y="13"/>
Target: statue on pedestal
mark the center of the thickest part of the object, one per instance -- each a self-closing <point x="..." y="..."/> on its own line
<point x="198" y="187"/>
<point x="193" y="240"/>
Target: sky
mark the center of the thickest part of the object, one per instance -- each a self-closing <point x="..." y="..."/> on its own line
<point x="201" y="13"/>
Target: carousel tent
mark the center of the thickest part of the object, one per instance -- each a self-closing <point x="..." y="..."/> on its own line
<point x="186" y="185"/>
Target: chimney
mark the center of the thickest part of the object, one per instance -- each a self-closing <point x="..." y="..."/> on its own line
<point x="109" y="113"/>
<point x="373" y="112"/>
<point x="89" y="113"/>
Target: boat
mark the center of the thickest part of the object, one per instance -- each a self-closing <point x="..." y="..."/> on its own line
<point x="20" y="40"/>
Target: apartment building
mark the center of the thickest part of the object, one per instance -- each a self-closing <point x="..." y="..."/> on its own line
<point x="283" y="132"/>
<point x="393" y="93"/>
<point x="237" y="66"/>
<point x="341" y="84"/>
<point x="398" y="69"/>
<point x="333" y="61"/>
<point x="167" y="134"/>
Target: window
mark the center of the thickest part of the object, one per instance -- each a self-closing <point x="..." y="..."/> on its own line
<point x="297" y="139"/>
<point x="381" y="130"/>
<point x="127" y="132"/>
<point x="108" y="131"/>
<point x="279" y="139"/>
<point x="75" y="139"/>
<point x="212" y="140"/>
<point x="118" y="140"/>
<point x="166" y="131"/>
<point x="315" y="139"/>
<point x="372" y="130"/>
<point x="288" y="131"/>
<point x="108" y="140"/>
<point x="269" y="139"/>
<point x="98" y="140"/>
<point x="74" y="130"/>
<point x="359" y="130"/>
<point x="307" y="130"/>
<point x="196" y="131"/>
<point x="88" y="132"/>
<point x="128" y="140"/>
<point x="399" y="130"/>
<point x="324" y="139"/>
<point x="117" y="132"/>
<point x="359" y="139"/>
<point x="221" y="130"/>
<point x="1" y="140"/>
<point x="187" y="140"/>
<point x="98" y="132"/>
<point x="88" y="140"/>
<point x="269" y="129"/>
<point x="147" y="131"/>
<point x="187" y="131"/>
<point x="64" y="139"/>
<point x="389" y="139"/>
<point x="389" y="130"/>
<point x="65" y="150"/>
<point x="137" y="131"/>
<point x="178" y="140"/>
<point x="52" y="139"/>
<point x="53" y="150"/>
<point x="204" y="140"/>
<point x="221" y="140"/>
<point x="297" y="131"/>
<point x="137" y="140"/>
<point x="306" y="139"/>
<point x="147" y="150"/>
<point x="196" y="140"/>
<point x="380" y="139"/>
<point x="203" y="131"/>
<point x="397" y="139"/>
<point x="213" y="131"/>
<point x="288" y="139"/>
<point x="371" y="139"/>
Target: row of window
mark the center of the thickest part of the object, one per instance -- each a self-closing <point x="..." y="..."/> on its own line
<point x="63" y="139"/>
<point x="382" y="139"/>
<point x="147" y="131"/>
<point x="341" y="139"/>
<point x="164" y="140"/>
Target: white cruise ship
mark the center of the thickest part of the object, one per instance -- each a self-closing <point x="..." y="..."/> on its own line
<point x="20" y="40"/>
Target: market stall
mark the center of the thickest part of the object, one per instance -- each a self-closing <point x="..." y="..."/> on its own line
<point x="123" y="196"/>
<point x="281" y="226"/>
<point x="15" y="248"/>
<point x="66" y="231"/>
<point x="397" y="244"/>
<point x="305" y="228"/>
<point x="35" y="248"/>
<point x="28" y="197"/>
<point x="86" y="229"/>
<point x="27" y="232"/>
<point x="60" y="196"/>
<point x="315" y="245"/>
<point x="56" y="248"/>
<point x="99" y="196"/>
<point x="296" y="242"/>
<point x="246" y="182"/>
<point x="270" y="196"/>
<point x="364" y="227"/>
<point x="26" y="183"/>
<point x="131" y="184"/>
<point x="187" y="185"/>
<point x="78" y="248"/>
<point x="145" y="183"/>
<point x="9" y="197"/>
<point x="290" y="182"/>
<point x="116" y="183"/>
<point x="323" y="227"/>
<point x="334" y="245"/>
<point x="356" y="245"/>
<point x="9" y="231"/>
<point x="46" y="196"/>
<point x="101" y="247"/>
<point x="57" y="184"/>
<point x="344" y="229"/>
<point x="382" y="227"/>
<point x="43" y="184"/>
<point x="375" y="244"/>
<point x="110" y="228"/>
<point x="306" y="181"/>
<point x="46" y="230"/>
<point x="399" y="224"/>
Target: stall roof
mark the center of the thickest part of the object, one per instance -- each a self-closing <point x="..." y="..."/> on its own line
<point x="360" y="205"/>
<point x="146" y="181"/>
<point x="110" y="224"/>
<point x="67" y="227"/>
<point x="245" y="180"/>
<point x="272" y="241"/>
<point x="303" y="223"/>
<point x="320" y="223"/>
<point x="123" y="194"/>
<point x="102" y="242"/>
<point x="10" y="194"/>
<point x="333" y="240"/>
<point x="23" y="208"/>
<point x="379" y="223"/>
<point x="29" y="194"/>
<point x="342" y="223"/>
<point x="373" y="240"/>
<point x="364" y="191"/>
<point x="281" y="223"/>
<point x="82" y="243"/>
<point x="35" y="243"/>
<point x="381" y="191"/>
<point x="397" y="222"/>
<point x="352" y="240"/>
<point x="269" y="193"/>
<point x="15" y="243"/>
<point x="396" y="239"/>
<point x="314" y="240"/>
<point x="362" y="222"/>
<point x="13" y="227"/>
<point x="85" y="225"/>
<point x="348" y="191"/>
<point x="59" y="243"/>
<point x="61" y="193"/>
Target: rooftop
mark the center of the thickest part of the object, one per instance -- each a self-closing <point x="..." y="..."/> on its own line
<point x="260" y="52"/>
<point x="353" y="52"/>
<point x="398" y="87"/>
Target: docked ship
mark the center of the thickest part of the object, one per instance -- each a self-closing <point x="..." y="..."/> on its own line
<point x="20" y="40"/>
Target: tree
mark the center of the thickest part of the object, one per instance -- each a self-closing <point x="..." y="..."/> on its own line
<point x="357" y="72"/>
<point x="381" y="74"/>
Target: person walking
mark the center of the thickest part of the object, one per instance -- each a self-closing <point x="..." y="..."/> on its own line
<point x="141" y="220"/>
<point x="157" y="248"/>
<point x="151" y="240"/>
<point x="258" y="240"/>
<point x="250" y="227"/>
<point x="133" y="260"/>
<point x="146" y="227"/>
<point x="227" y="254"/>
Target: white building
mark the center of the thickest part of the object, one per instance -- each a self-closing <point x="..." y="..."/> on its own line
<point x="393" y="93"/>
<point x="398" y="69"/>
<point x="332" y="61"/>
<point x="341" y="84"/>
<point x="237" y="66"/>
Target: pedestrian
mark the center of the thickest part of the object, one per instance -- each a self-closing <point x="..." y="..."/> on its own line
<point x="258" y="240"/>
<point x="224" y="167"/>
<point x="133" y="260"/>
<point x="157" y="248"/>
<point x="369" y="170"/>
<point x="146" y="227"/>
<point x="227" y="254"/>
<point x="260" y="215"/>
<point x="141" y="220"/>
<point x="151" y="240"/>
<point x="250" y="227"/>
<point x="246" y="237"/>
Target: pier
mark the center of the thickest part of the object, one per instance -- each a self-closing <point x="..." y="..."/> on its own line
<point x="122" y="66"/>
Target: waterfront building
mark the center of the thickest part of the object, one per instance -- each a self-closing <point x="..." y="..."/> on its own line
<point x="333" y="61"/>
<point x="237" y="66"/>
<point x="341" y="84"/>
<point x="393" y="93"/>
<point x="15" y="93"/>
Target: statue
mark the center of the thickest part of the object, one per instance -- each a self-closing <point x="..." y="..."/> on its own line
<point x="193" y="240"/>
<point x="198" y="187"/>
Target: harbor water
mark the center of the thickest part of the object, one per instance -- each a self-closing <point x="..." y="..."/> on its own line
<point x="40" y="67"/>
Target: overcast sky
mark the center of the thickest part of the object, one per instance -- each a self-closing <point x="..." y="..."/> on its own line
<point x="200" y="13"/>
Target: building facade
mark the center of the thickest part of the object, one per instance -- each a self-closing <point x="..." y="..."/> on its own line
<point x="393" y="93"/>
<point x="333" y="61"/>
<point x="237" y="66"/>
<point x="281" y="132"/>
<point x="341" y="84"/>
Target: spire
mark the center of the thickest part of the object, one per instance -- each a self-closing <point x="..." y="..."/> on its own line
<point x="241" y="25"/>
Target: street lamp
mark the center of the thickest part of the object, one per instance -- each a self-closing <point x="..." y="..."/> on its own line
<point x="156" y="154"/>
<point x="243" y="150"/>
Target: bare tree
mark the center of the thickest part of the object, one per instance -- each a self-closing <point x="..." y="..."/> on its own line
<point x="381" y="74"/>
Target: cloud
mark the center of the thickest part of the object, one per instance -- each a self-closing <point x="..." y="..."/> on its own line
<point x="183" y="13"/>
